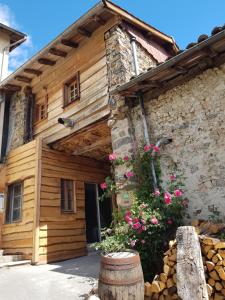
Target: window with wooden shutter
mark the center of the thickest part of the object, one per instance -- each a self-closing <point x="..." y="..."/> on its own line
<point x="41" y="110"/>
<point x="68" y="199"/>
<point x="72" y="90"/>
<point x="14" y="203"/>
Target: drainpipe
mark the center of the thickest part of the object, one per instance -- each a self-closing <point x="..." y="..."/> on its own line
<point x="7" y="49"/>
<point x="143" y="116"/>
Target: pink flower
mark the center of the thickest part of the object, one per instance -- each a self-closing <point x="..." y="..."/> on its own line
<point x="156" y="193"/>
<point x="136" y="225"/>
<point x="143" y="205"/>
<point x="169" y="221"/>
<point x="147" y="148"/>
<point x="126" y="158"/>
<point x="156" y="149"/>
<point x="128" y="213"/>
<point x="178" y="193"/>
<point x="143" y="228"/>
<point x="135" y="220"/>
<point x="127" y="219"/>
<point x="103" y="185"/>
<point x="172" y="177"/>
<point x="112" y="156"/>
<point x="129" y="174"/>
<point x="143" y="222"/>
<point x="167" y="198"/>
<point x="133" y="243"/>
<point x="130" y="223"/>
<point x="154" y="221"/>
<point x="143" y="241"/>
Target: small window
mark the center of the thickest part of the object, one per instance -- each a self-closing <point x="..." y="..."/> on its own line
<point x="41" y="110"/>
<point x="68" y="195"/>
<point x="72" y="90"/>
<point x="14" y="203"/>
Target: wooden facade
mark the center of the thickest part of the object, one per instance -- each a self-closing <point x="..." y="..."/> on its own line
<point x="44" y="233"/>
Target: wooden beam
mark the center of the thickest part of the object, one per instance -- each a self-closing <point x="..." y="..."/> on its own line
<point x="97" y="145"/>
<point x="84" y="32"/>
<point x="191" y="282"/>
<point x="46" y="61"/>
<point x="209" y="51"/>
<point x="13" y="87"/>
<point x="58" y="52"/>
<point x="69" y="43"/>
<point x="33" y="71"/>
<point x="179" y="69"/>
<point x="36" y="224"/>
<point x="152" y="83"/>
<point x="98" y="20"/>
<point x="23" y="78"/>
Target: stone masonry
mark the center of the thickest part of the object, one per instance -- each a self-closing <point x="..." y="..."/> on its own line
<point x="120" y="70"/>
<point x="18" y="123"/>
<point x="193" y="115"/>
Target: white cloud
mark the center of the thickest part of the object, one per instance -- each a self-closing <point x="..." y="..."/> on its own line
<point x="20" y="54"/>
<point x="6" y="16"/>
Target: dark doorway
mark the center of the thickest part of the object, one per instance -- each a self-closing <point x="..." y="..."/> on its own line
<point x="98" y="214"/>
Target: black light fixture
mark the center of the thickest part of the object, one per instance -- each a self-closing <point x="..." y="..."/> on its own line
<point x="66" y="122"/>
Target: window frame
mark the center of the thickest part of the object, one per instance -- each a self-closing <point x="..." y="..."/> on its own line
<point x="38" y="110"/>
<point x="63" y="191"/>
<point x="10" y="202"/>
<point x="66" y="86"/>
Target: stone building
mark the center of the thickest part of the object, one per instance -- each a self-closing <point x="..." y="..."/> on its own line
<point x="184" y="100"/>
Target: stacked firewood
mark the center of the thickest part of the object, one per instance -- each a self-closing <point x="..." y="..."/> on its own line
<point x="163" y="287"/>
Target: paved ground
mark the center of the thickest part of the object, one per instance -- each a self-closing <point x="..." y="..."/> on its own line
<point x="68" y="280"/>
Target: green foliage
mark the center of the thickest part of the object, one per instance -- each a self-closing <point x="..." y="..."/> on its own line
<point x="153" y="217"/>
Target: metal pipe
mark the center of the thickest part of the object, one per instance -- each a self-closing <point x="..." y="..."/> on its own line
<point x="134" y="53"/>
<point x="143" y="116"/>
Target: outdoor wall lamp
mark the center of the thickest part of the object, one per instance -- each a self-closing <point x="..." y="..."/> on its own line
<point x="66" y="122"/>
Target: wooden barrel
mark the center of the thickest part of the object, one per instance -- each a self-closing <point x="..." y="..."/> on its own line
<point x="121" y="277"/>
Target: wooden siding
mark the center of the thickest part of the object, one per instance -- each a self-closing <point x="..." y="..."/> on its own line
<point x="62" y="235"/>
<point x="20" y="166"/>
<point x="90" y="60"/>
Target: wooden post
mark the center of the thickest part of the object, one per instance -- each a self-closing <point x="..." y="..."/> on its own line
<point x="191" y="282"/>
<point x="36" y="228"/>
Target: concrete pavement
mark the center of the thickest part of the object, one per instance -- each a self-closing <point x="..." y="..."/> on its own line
<point x="67" y="280"/>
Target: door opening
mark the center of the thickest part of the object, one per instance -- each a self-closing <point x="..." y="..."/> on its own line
<point x="98" y="213"/>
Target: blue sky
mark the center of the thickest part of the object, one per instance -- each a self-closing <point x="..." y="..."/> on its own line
<point x="43" y="20"/>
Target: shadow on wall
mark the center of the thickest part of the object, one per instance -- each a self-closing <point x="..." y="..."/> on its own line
<point x="86" y="266"/>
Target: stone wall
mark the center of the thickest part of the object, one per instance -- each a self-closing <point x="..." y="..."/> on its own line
<point x="120" y="69"/>
<point x="20" y="119"/>
<point x="193" y="115"/>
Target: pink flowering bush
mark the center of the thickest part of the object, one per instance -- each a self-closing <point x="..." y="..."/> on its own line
<point x="153" y="217"/>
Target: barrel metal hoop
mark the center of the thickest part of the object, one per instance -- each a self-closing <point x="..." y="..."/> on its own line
<point x="120" y="267"/>
<point x="120" y="261"/>
<point x="120" y="283"/>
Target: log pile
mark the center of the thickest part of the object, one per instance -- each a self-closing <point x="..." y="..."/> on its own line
<point x="163" y="287"/>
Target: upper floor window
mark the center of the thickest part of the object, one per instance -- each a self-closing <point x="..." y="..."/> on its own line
<point x="68" y="195"/>
<point x="72" y="90"/>
<point x="41" y="109"/>
<point x="14" y="203"/>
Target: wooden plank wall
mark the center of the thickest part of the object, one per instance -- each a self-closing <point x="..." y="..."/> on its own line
<point x="90" y="59"/>
<point x="20" y="166"/>
<point x="62" y="235"/>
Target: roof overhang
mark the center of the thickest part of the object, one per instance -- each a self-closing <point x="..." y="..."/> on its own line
<point x="71" y="37"/>
<point x="206" y="54"/>
<point x="15" y="36"/>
